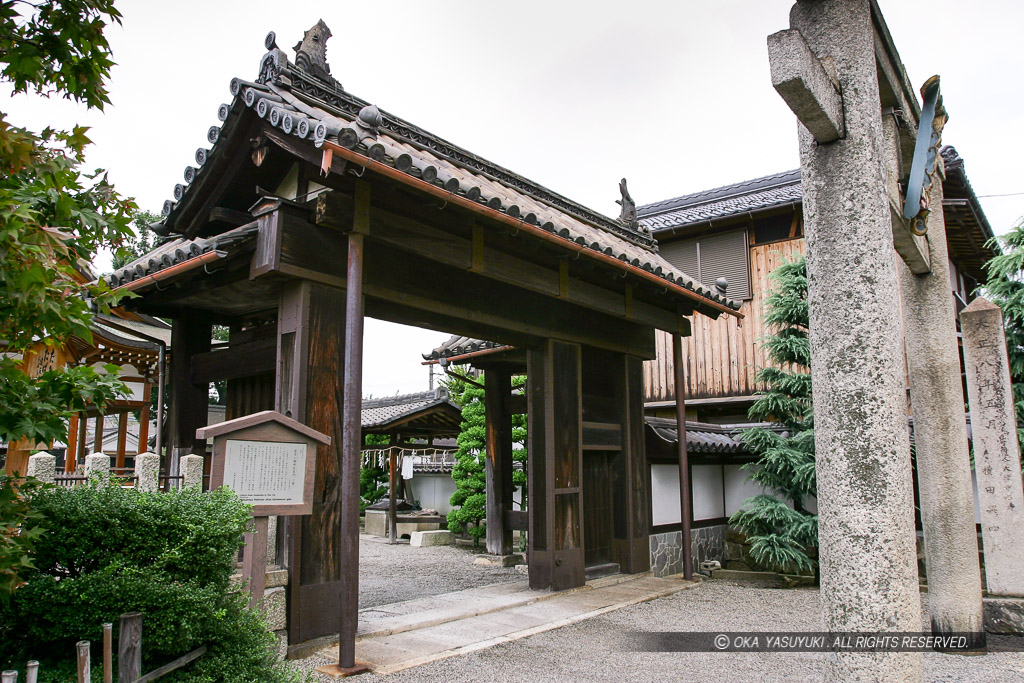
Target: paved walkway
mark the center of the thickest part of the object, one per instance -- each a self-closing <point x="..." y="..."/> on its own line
<point x="415" y="632"/>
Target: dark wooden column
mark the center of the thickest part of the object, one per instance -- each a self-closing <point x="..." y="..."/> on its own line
<point x="631" y="478"/>
<point x="310" y="353"/>
<point x="188" y="402"/>
<point x="685" y="504"/>
<point x="498" y="466"/>
<point x="555" y="435"/>
<point x="394" y="439"/>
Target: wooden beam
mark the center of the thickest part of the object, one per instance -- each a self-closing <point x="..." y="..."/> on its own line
<point x="478" y="254"/>
<point x="443" y="288"/>
<point x="238" y="360"/>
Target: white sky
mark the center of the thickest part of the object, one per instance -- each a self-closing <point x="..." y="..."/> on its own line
<point x="675" y="96"/>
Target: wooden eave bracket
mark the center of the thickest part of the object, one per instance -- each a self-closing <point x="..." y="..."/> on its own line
<point x="806" y="85"/>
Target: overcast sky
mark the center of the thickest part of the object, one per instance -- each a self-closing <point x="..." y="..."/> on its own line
<point x="675" y="96"/>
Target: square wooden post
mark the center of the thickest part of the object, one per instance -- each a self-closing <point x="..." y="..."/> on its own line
<point x="631" y="546"/>
<point x="555" y="466"/>
<point x="188" y="401"/>
<point x="498" y="464"/>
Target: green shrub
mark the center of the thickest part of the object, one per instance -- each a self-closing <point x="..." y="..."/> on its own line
<point x="108" y="551"/>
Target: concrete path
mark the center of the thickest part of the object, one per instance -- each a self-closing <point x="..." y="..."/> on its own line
<point x="415" y="632"/>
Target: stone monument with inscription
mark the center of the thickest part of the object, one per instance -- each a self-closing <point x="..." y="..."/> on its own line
<point x="269" y="460"/>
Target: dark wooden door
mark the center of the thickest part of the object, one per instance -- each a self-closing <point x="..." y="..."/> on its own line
<point x="597" y="509"/>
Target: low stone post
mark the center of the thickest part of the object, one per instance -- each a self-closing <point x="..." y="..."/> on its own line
<point x="191" y="467"/>
<point x="147" y="472"/>
<point x="996" y="450"/>
<point x="42" y="466"/>
<point x="97" y="464"/>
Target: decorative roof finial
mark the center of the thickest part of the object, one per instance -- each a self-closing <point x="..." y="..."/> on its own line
<point x="628" y="215"/>
<point x="369" y="119"/>
<point x="311" y="52"/>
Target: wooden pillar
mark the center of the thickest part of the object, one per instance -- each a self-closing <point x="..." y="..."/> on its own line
<point x="72" y="450"/>
<point x="97" y="443"/>
<point x="630" y="475"/>
<point x="392" y="493"/>
<point x="83" y="428"/>
<point x="122" y="437"/>
<point x="144" y="426"/>
<point x="498" y="464"/>
<point x="309" y="360"/>
<point x="352" y="433"/>
<point x="188" y="402"/>
<point x="685" y="505"/>
<point x="554" y="466"/>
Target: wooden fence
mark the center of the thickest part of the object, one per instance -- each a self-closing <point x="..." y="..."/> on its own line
<point x="129" y="657"/>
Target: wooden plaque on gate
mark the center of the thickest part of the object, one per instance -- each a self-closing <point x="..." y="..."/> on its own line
<point x="268" y="459"/>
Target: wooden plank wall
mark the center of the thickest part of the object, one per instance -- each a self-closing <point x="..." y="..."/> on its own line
<point x="722" y="356"/>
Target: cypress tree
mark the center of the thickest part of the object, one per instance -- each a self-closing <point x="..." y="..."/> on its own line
<point x="782" y="532"/>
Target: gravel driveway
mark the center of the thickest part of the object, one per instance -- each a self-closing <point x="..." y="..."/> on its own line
<point x="394" y="573"/>
<point x="591" y="650"/>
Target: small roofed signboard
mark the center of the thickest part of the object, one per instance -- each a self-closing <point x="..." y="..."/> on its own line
<point x="266" y="458"/>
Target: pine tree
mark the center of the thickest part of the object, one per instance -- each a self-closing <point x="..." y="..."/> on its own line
<point x="1006" y="289"/>
<point x="470" y="497"/>
<point x="783" y="536"/>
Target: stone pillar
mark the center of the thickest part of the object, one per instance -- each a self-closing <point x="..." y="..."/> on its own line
<point x="191" y="467"/>
<point x="996" y="451"/>
<point x="97" y="464"/>
<point x="865" y="499"/>
<point x="940" y="437"/>
<point x="147" y="472"/>
<point x="42" y="466"/>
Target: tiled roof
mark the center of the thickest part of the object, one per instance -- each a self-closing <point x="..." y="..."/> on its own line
<point x="316" y="108"/>
<point x="379" y="412"/>
<point x="703" y="437"/>
<point x="750" y="195"/>
<point x="458" y="346"/>
<point x="178" y="250"/>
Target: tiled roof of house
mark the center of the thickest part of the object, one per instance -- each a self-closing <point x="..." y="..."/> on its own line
<point x="301" y="100"/>
<point x="380" y="412"/>
<point x="700" y="437"/>
<point x="750" y="195"/>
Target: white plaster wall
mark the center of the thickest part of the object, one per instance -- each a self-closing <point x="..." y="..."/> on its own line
<point x="708" y="502"/>
<point x="433" y="490"/>
<point x="706" y="482"/>
<point x="738" y="488"/>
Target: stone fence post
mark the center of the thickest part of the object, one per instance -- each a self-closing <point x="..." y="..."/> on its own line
<point x="191" y="467"/>
<point x="43" y="467"/>
<point x="996" y="451"/>
<point x="97" y="464"/>
<point x="147" y="471"/>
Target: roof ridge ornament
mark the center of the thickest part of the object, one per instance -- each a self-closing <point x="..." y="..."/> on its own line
<point x="311" y="52"/>
<point x="628" y="217"/>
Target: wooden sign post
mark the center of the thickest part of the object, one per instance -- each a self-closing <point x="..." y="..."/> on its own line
<point x="269" y="460"/>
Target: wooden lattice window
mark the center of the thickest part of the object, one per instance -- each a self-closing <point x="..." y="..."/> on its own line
<point x="709" y="257"/>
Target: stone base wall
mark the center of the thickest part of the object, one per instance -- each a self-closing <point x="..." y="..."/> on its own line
<point x="706" y="543"/>
<point x="274" y="604"/>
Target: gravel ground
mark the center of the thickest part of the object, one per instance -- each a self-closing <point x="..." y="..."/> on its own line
<point x="592" y="650"/>
<point x="395" y="573"/>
